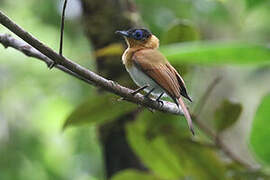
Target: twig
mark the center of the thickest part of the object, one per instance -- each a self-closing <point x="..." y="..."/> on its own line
<point x="8" y="41"/>
<point x="87" y="75"/>
<point x="62" y="28"/>
<point x="215" y="137"/>
<point x="220" y="144"/>
<point x="206" y="95"/>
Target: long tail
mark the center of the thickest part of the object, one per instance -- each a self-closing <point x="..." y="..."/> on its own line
<point x="187" y="115"/>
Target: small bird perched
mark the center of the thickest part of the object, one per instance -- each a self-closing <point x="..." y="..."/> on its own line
<point x="151" y="71"/>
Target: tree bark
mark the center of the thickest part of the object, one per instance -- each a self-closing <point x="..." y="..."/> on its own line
<point x="101" y="19"/>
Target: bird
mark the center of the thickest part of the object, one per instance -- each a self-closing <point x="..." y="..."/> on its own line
<point x="151" y="71"/>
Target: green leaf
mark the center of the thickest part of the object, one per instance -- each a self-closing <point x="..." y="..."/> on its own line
<point x="226" y="115"/>
<point x="163" y="144"/>
<point x="98" y="109"/>
<point x="180" y="32"/>
<point x="114" y="49"/>
<point x="261" y="131"/>
<point x="254" y="3"/>
<point x="155" y="154"/>
<point x="134" y="175"/>
<point x="214" y="53"/>
<point x="199" y="162"/>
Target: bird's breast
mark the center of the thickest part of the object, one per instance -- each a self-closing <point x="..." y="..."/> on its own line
<point x="141" y="79"/>
<point x="127" y="58"/>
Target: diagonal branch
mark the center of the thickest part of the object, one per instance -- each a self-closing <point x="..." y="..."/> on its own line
<point x="50" y="56"/>
<point x="8" y="41"/>
<point x="38" y="50"/>
<point x="201" y="103"/>
<point x="219" y="143"/>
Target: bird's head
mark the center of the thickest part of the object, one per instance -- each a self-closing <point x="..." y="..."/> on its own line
<point x="139" y="38"/>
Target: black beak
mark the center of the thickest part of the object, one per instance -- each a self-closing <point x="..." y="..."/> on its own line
<point x="122" y="33"/>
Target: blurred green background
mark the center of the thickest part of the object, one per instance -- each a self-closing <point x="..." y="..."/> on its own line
<point x="203" y="39"/>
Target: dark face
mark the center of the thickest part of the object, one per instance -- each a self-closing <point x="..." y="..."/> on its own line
<point x="137" y="34"/>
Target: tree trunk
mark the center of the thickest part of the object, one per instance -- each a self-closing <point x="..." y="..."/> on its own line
<point x="101" y="19"/>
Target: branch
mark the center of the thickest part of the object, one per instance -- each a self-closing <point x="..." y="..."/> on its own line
<point x="38" y="50"/>
<point x="220" y="144"/>
<point x="8" y="41"/>
<point x="46" y="54"/>
<point x="214" y="136"/>
<point x="206" y="95"/>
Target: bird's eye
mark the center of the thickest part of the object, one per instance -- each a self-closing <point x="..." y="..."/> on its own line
<point x="138" y="34"/>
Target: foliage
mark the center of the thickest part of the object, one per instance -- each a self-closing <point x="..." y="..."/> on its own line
<point x="89" y="111"/>
<point x="211" y="53"/>
<point x="226" y="115"/>
<point x="213" y="38"/>
<point x="169" y="154"/>
<point x="180" y="32"/>
<point x="134" y="175"/>
<point x="260" y="131"/>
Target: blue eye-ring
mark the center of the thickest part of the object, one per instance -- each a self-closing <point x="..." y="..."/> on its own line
<point x="138" y="34"/>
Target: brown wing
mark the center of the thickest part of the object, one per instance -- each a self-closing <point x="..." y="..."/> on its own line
<point x="183" y="90"/>
<point x="156" y="66"/>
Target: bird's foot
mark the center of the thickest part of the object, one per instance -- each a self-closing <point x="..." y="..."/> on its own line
<point x="148" y="94"/>
<point x="159" y="101"/>
<point x="138" y="90"/>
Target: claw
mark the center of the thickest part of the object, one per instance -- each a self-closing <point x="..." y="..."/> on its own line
<point x="159" y="101"/>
